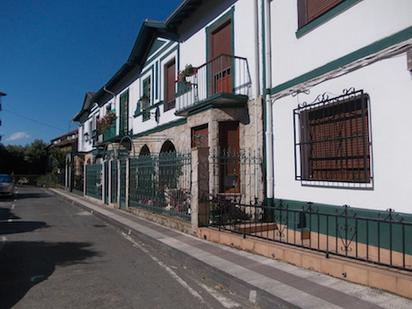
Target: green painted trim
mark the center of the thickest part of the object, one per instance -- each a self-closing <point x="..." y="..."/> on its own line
<point x="338" y="9"/>
<point x="169" y="53"/>
<point x="157" y="79"/>
<point x="148" y="109"/>
<point x="150" y="68"/>
<point x="154" y="56"/>
<point x="124" y="96"/>
<point x="162" y="127"/>
<point x="349" y="58"/>
<point x="229" y="15"/>
<point x="330" y="211"/>
<point x="157" y="44"/>
<point x="269" y="201"/>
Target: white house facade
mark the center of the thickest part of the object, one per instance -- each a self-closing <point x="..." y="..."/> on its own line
<point x="337" y="99"/>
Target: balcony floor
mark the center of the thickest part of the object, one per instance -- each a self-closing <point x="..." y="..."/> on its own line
<point x="219" y="100"/>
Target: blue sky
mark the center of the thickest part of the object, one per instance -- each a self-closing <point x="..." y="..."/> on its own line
<point x="53" y="51"/>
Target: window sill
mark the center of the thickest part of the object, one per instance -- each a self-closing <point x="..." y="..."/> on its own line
<point x="345" y="5"/>
<point x="338" y="185"/>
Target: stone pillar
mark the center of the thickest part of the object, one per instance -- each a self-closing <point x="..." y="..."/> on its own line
<point x="200" y="187"/>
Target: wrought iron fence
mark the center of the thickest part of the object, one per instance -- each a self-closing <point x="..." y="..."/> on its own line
<point x="224" y="74"/>
<point x="236" y="175"/>
<point x="161" y="183"/>
<point x="384" y="238"/>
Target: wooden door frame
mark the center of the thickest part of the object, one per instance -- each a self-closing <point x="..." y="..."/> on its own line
<point x="222" y="167"/>
<point x="229" y="16"/>
<point x="201" y="127"/>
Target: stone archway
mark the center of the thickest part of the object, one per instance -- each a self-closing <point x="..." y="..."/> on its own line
<point x="144" y="151"/>
<point x="168" y="147"/>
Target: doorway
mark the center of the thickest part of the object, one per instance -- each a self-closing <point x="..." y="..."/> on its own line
<point x="229" y="165"/>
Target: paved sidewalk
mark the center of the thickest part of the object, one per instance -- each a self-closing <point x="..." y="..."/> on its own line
<point x="300" y="287"/>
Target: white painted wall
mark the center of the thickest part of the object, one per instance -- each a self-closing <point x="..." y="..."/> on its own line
<point x="162" y="59"/>
<point x="193" y="49"/>
<point x="389" y="85"/>
<point x="364" y="23"/>
<point x="83" y="145"/>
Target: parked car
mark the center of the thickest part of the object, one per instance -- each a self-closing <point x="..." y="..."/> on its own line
<point x="6" y="185"/>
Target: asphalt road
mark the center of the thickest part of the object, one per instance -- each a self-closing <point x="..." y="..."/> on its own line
<point x="56" y="255"/>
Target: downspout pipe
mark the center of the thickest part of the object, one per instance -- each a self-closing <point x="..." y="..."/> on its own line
<point x="257" y="82"/>
<point x="268" y="105"/>
<point x="111" y="93"/>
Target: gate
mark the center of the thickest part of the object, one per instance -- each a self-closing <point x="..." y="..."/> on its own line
<point x="106" y="182"/>
<point x="122" y="181"/>
<point x="94" y="181"/>
<point x="161" y="183"/>
<point x="113" y="181"/>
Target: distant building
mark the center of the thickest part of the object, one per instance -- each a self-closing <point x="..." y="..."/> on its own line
<point x="72" y="175"/>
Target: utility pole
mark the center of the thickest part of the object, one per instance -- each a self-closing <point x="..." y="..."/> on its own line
<point x="2" y="94"/>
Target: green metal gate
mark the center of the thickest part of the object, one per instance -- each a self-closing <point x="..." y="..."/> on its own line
<point x="106" y="182"/>
<point x="161" y="183"/>
<point x="94" y="181"/>
<point x="123" y="183"/>
<point x="113" y="181"/>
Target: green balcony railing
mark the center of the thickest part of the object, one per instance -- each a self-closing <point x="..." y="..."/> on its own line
<point x="110" y="133"/>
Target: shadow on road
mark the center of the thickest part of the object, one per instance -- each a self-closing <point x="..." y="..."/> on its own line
<point x="15" y="227"/>
<point x="25" y="264"/>
<point x="6" y="214"/>
<point x="26" y="195"/>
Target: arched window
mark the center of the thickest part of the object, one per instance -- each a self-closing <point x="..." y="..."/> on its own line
<point x="145" y="177"/>
<point x="167" y="147"/>
<point x="168" y="166"/>
<point x="144" y="151"/>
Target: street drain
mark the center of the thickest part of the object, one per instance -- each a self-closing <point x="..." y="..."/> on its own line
<point x="99" y="225"/>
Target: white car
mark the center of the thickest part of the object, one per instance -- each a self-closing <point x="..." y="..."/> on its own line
<point x="6" y="185"/>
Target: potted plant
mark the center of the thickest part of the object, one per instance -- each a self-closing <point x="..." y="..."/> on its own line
<point x="188" y="71"/>
<point x="183" y="84"/>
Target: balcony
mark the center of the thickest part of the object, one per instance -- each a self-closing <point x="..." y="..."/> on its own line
<point x="222" y="82"/>
<point x="109" y="133"/>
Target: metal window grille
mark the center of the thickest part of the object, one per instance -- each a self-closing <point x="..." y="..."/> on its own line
<point x="332" y="140"/>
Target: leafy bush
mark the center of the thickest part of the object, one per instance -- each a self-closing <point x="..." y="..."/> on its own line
<point x="48" y="180"/>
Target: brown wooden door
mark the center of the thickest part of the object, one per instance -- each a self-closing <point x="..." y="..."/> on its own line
<point x="170" y="78"/>
<point x="200" y="137"/>
<point x="229" y="157"/>
<point x="221" y="45"/>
